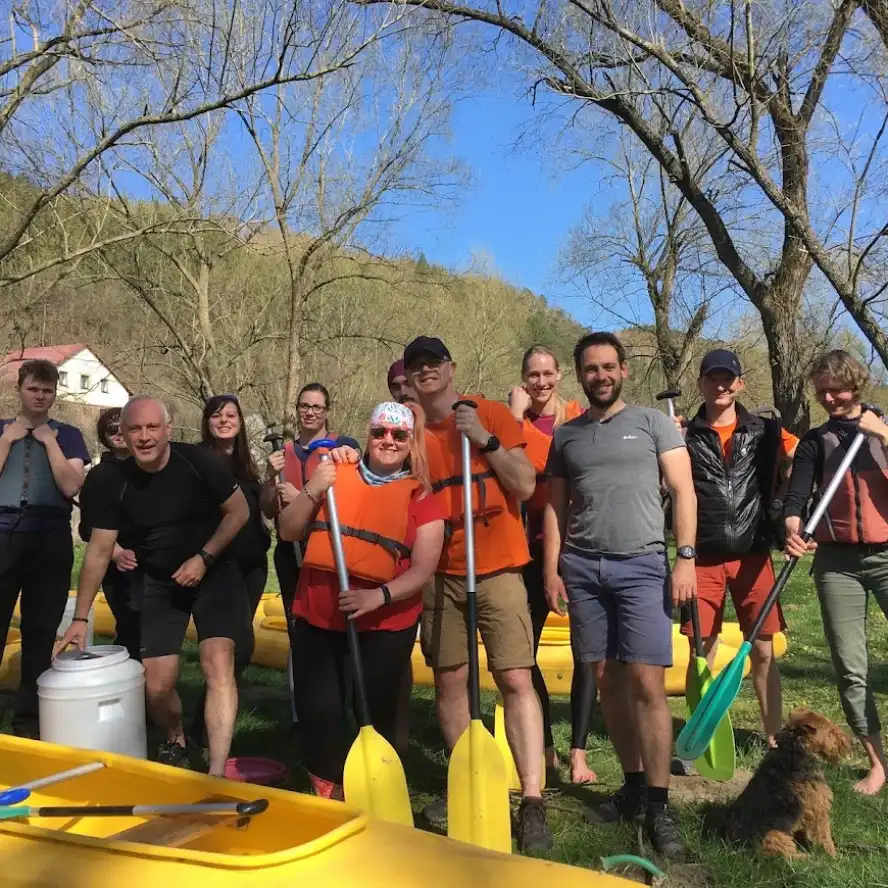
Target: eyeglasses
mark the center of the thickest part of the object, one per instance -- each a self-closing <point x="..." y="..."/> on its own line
<point x="399" y="435"/>
<point x="310" y="408"/>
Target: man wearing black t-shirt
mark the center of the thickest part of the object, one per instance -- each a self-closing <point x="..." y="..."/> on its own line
<point x="171" y="497"/>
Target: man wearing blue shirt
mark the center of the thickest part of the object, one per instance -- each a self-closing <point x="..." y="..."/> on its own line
<point x="42" y="467"/>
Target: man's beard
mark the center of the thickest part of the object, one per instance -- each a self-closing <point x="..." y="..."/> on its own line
<point x="604" y="403"/>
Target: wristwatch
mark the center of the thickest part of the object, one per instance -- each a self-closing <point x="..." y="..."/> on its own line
<point x="493" y="443"/>
<point x="206" y="557"/>
<point x="686" y="552"/>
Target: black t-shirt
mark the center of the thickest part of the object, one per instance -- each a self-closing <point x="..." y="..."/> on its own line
<point x="168" y="515"/>
<point x="95" y="487"/>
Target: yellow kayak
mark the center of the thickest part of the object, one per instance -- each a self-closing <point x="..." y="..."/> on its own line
<point x="298" y="840"/>
<point x="11" y="667"/>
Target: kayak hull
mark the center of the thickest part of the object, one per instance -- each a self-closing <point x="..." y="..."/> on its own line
<point x="298" y="840"/>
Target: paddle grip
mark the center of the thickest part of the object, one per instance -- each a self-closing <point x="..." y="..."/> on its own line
<point x="277" y="443"/>
<point x="14" y="796"/>
<point x="807" y="533"/>
<point x="351" y="630"/>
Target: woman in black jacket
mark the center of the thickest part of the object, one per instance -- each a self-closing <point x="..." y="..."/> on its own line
<point x="117" y="586"/>
<point x="223" y="431"/>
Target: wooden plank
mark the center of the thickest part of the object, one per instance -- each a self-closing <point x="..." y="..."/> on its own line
<point x="176" y="831"/>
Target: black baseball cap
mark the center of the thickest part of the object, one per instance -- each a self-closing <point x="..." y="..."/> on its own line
<point x="720" y="359"/>
<point x="425" y="345"/>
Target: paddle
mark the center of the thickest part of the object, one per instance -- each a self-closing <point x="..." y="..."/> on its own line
<point x="669" y="397"/>
<point x="374" y="778"/>
<point x="720" y="758"/>
<point x="16" y="794"/>
<point x="477" y="781"/>
<point x="700" y="727"/>
<point x="243" y="809"/>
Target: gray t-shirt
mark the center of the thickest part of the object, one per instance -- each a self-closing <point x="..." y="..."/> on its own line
<point x="614" y="476"/>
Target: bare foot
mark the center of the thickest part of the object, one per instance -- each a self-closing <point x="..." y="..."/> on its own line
<point x="551" y="757"/>
<point x="873" y="781"/>
<point x="580" y="772"/>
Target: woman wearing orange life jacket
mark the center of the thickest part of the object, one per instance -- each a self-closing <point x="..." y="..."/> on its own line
<point x="392" y="536"/>
<point x="537" y="405"/>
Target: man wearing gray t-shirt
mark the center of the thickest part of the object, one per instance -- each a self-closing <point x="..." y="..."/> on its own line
<point x="605" y="554"/>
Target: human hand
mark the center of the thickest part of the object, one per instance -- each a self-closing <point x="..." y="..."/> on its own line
<point x="275" y="464"/>
<point x="468" y="424"/>
<point x="556" y="593"/>
<point x="322" y="479"/>
<point x="795" y="546"/>
<point x="683" y="581"/>
<point x="357" y="602"/>
<point x="519" y="401"/>
<point x="191" y="572"/>
<point x="125" y="559"/>
<point x="345" y="454"/>
<point x="44" y="433"/>
<point x="871" y="424"/>
<point x="286" y="492"/>
<point x="14" y="431"/>
<point x="75" y="634"/>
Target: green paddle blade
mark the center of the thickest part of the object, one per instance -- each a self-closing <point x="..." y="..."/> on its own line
<point x="700" y="728"/>
<point x="478" y="791"/>
<point x="374" y="779"/>
<point x="720" y="758"/>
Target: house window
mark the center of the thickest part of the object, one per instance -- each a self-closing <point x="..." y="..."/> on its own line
<point x="63" y="378"/>
<point x="104" y="386"/>
<point x="84" y="383"/>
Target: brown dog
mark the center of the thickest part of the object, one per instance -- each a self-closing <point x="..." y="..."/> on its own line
<point x="788" y="797"/>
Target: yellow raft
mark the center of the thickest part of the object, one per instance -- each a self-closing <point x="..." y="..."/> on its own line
<point x="298" y="840"/>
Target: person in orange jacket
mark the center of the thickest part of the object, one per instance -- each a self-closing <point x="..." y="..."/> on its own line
<point x="539" y="408"/>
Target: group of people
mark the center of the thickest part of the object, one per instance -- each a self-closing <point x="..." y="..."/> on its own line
<point x="568" y="516"/>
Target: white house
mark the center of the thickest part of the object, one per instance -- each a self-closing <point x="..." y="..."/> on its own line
<point x="83" y="378"/>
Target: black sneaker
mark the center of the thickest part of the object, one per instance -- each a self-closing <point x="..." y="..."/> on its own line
<point x="624" y="806"/>
<point x="173" y="754"/>
<point x="662" y="832"/>
<point x="533" y="828"/>
<point x="435" y="813"/>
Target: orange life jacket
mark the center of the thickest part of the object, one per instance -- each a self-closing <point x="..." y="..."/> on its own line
<point x="445" y="472"/>
<point x="373" y="521"/>
<point x="537" y="450"/>
<point x="297" y="472"/>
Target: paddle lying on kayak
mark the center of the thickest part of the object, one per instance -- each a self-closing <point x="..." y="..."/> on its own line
<point x="697" y="734"/>
<point x="477" y="781"/>
<point x="242" y="809"/>
<point x="374" y="778"/>
<point x="720" y="758"/>
<point x="16" y="794"/>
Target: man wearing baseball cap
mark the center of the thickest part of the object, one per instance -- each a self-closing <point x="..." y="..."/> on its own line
<point x="736" y="457"/>
<point x="503" y="477"/>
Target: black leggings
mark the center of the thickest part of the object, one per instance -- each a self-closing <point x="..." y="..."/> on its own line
<point x="254" y="580"/>
<point x="321" y="667"/>
<point x="583" y="689"/>
<point x="120" y="593"/>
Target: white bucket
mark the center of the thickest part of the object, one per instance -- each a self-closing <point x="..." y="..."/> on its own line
<point x="69" y="616"/>
<point x="94" y="699"/>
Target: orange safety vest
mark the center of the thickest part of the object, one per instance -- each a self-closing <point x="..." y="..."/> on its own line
<point x="445" y="470"/>
<point x="297" y="472"/>
<point x="373" y="521"/>
<point x="537" y="450"/>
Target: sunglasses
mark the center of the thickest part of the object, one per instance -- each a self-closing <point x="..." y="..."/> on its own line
<point x="399" y="435"/>
<point x="113" y="429"/>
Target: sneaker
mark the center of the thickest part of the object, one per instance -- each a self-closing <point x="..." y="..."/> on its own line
<point x="435" y="813"/>
<point x="662" y="831"/>
<point x="624" y="806"/>
<point x="533" y="828"/>
<point x="173" y="754"/>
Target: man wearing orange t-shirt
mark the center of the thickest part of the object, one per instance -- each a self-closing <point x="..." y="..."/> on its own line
<point x="735" y="457"/>
<point x="504" y="477"/>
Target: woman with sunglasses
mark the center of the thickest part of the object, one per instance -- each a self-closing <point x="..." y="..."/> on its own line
<point x="393" y="533"/>
<point x="223" y="430"/>
<point x="117" y="585"/>
<point x="539" y="408"/>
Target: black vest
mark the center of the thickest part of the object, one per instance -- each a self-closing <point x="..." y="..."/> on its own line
<point x="733" y="498"/>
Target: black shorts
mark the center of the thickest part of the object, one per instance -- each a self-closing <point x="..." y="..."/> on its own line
<point x="218" y="604"/>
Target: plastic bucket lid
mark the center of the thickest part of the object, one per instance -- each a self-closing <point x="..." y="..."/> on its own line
<point x="254" y="769"/>
<point x="96" y="656"/>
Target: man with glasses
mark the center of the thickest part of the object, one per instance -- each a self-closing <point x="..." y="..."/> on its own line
<point x="505" y="477"/>
<point x="42" y="465"/>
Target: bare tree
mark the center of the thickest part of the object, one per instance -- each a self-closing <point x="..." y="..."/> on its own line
<point x="752" y="75"/>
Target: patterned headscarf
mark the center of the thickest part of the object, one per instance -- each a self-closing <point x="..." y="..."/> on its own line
<point x="392" y="415"/>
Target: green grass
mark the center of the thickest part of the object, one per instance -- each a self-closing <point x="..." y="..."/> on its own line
<point x="860" y="825"/>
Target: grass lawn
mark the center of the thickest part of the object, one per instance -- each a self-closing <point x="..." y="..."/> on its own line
<point x="860" y="825"/>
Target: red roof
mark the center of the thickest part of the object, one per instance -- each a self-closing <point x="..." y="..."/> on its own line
<point x="58" y="354"/>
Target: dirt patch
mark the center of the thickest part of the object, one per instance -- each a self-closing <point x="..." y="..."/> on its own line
<point x="689" y="790"/>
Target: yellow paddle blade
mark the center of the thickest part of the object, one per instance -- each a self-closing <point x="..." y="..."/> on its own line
<point x="502" y="740"/>
<point x="478" y="792"/>
<point x="374" y="779"/>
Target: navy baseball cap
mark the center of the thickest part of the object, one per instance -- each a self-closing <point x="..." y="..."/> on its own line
<point x="720" y="359"/>
<point x="425" y="345"/>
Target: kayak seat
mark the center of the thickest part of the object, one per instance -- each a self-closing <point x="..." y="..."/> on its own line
<point x="178" y="830"/>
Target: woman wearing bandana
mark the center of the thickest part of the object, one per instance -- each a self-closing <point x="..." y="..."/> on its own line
<point x="393" y="533"/>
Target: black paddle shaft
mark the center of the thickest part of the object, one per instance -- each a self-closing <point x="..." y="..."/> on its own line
<point x="471" y="600"/>
<point x="695" y="623"/>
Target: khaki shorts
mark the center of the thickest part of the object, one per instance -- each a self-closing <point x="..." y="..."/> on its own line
<point x="503" y="620"/>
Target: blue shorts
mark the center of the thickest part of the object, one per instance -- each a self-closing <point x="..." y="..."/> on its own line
<point x="620" y="608"/>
